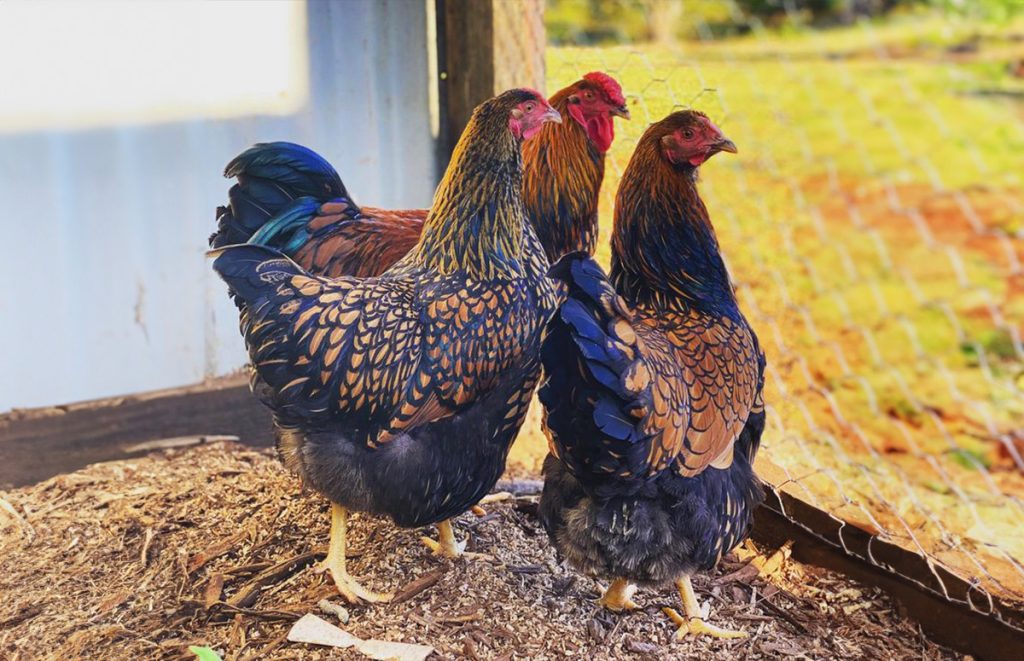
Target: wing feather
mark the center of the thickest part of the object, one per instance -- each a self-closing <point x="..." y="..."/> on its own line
<point x="634" y="392"/>
<point x="380" y="355"/>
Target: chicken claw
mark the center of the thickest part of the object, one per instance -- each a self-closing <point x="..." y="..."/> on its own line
<point x="347" y="586"/>
<point x="447" y="546"/>
<point x="693" y="624"/>
<point x="618" y="596"/>
<point x="490" y="498"/>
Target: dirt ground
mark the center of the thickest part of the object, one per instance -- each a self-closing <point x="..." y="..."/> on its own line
<point x="216" y="546"/>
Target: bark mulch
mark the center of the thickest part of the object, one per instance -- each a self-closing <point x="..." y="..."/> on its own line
<point x="216" y="545"/>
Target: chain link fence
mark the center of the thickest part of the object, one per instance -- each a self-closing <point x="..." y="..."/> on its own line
<point x="873" y="223"/>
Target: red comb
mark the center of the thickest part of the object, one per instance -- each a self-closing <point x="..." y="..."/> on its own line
<point x="608" y="85"/>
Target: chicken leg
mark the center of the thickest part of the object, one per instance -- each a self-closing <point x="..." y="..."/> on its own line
<point x="618" y="596"/>
<point x="693" y="624"/>
<point x="447" y="546"/>
<point x="490" y="498"/>
<point x="349" y="588"/>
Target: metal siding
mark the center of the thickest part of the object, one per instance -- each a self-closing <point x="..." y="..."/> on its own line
<point x="108" y="290"/>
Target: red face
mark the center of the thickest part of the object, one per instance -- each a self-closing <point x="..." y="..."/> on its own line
<point x="695" y="142"/>
<point x="597" y="100"/>
<point x="528" y="117"/>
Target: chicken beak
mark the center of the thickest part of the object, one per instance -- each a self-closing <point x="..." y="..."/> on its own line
<point x="551" y="115"/>
<point x="620" y="111"/>
<point x="725" y="144"/>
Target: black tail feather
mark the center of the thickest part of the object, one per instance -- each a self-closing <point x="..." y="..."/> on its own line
<point x="271" y="176"/>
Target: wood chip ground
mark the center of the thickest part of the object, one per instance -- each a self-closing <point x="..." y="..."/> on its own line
<point x="217" y="546"/>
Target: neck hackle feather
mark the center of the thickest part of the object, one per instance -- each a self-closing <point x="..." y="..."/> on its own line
<point x="562" y="182"/>
<point x="664" y="250"/>
<point x="475" y="223"/>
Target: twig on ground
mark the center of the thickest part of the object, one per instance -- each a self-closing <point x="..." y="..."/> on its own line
<point x="422" y="583"/>
<point x="196" y="562"/>
<point x="781" y="612"/>
<point x="144" y="553"/>
<point x="267" y="614"/>
<point x="6" y="506"/>
<point x="249" y="569"/>
<point x="246" y="595"/>
<point x="214" y="589"/>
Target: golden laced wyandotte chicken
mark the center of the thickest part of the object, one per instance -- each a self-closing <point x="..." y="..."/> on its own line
<point x="401" y="394"/>
<point x="290" y="198"/>
<point x="652" y="387"/>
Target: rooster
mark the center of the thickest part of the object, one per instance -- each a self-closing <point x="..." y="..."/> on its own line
<point x="652" y="387"/>
<point x="401" y="394"/>
<point x="289" y="198"/>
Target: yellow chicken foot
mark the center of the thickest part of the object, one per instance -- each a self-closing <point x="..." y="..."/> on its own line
<point x="349" y="588"/>
<point x="490" y="498"/>
<point x="447" y="546"/>
<point x="618" y="596"/>
<point x="693" y="624"/>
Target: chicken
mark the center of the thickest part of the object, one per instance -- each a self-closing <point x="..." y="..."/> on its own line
<point x="652" y="387"/>
<point x="401" y="394"/>
<point x="289" y="198"/>
<point x="565" y="165"/>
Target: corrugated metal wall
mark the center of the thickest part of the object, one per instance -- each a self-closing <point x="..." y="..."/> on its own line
<point x="106" y="287"/>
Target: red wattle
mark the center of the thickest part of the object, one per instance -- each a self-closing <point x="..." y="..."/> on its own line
<point x="600" y="128"/>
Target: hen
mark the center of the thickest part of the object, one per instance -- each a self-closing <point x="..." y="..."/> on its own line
<point x="401" y="394"/>
<point x="652" y="387"/>
<point x="289" y="198"/>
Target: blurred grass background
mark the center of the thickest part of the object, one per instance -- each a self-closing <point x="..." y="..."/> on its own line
<point x="873" y="222"/>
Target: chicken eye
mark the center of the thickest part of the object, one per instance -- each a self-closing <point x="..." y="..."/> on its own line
<point x="688" y="134"/>
<point x="588" y="95"/>
<point x="528" y="107"/>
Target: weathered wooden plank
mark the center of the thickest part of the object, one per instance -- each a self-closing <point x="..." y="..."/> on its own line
<point x="38" y="444"/>
<point x="986" y="631"/>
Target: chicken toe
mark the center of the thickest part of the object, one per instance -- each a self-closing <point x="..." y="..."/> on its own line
<point x="446" y="545"/>
<point x="693" y="623"/>
<point x="618" y="596"/>
<point x="335" y="563"/>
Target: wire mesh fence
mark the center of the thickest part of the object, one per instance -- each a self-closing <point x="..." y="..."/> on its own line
<point x="873" y="223"/>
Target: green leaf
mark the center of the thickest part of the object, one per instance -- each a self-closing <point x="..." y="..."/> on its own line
<point x="204" y="653"/>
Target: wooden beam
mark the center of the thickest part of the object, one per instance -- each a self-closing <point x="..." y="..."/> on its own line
<point x="40" y="443"/>
<point x="919" y="586"/>
<point x="485" y="47"/>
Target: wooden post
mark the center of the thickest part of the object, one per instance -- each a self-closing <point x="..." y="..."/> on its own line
<point x="485" y="47"/>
